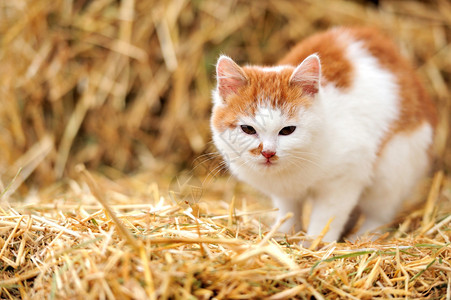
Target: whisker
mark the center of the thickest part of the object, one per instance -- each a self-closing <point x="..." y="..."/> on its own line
<point x="209" y="175"/>
<point x="313" y="154"/>
<point x="301" y="158"/>
<point x="221" y="166"/>
<point x="205" y="161"/>
<point x="298" y="165"/>
<point x="216" y="153"/>
<point x="238" y="168"/>
<point x="218" y="169"/>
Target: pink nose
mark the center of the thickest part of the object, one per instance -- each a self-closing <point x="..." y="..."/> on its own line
<point x="268" y="154"/>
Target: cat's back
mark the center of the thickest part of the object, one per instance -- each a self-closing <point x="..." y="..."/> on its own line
<point x="340" y="66"/>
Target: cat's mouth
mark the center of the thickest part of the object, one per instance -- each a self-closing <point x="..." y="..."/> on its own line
<point x="268" y="162"/>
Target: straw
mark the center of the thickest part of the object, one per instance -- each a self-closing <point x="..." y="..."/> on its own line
<point x="123" y="88"/>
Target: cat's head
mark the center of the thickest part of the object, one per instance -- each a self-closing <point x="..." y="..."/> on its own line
<point x="266" y="118"/>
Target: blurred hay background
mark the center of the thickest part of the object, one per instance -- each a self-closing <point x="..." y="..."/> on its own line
<point x="123" y="87"/>
<point x="126" y="84"/>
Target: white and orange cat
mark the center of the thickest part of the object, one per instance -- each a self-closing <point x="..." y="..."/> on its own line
<point x="342" y="120"/>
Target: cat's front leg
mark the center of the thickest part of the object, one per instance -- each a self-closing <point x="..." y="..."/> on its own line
<point x="334" y="201"/>
<point x="285" y="206"/>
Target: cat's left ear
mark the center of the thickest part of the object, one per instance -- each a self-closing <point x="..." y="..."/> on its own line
<point x="307" y="75"/>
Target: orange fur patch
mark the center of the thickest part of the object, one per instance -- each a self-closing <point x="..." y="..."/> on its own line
<point x="257" y="151"/>
<point x="274" y="158"/>
<point x="335" y="67"/>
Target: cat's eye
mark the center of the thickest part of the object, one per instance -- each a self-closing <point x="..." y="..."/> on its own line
<point x="248" y="129"/>
<point x="287" y="130"/>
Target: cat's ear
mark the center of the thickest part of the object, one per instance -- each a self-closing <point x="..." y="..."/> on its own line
<point x="307" y="75"/>
<point x="229" y="75"/>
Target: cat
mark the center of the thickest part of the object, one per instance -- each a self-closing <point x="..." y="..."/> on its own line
<point x="342" y="120"/>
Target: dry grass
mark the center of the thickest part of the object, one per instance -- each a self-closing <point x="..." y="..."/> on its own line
<point x="124" y="87"/>
<point x="96" y="238"/>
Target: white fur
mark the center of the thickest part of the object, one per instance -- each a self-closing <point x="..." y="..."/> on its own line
<point x="403" y="162"/>
<point x="331" y="157"/>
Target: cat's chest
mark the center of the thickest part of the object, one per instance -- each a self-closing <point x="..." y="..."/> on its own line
<point x="290" y="184"/>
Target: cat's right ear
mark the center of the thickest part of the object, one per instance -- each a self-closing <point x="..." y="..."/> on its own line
<point x="307" y="75"/>
<point x="230" y="76"/>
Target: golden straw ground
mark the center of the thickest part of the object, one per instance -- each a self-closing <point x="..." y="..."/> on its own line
<point x="73" y="247"/>
<point x="123" y="88"/>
